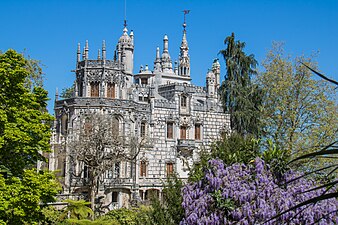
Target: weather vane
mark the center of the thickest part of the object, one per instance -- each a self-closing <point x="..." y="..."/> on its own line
<point x="185" y="12"/>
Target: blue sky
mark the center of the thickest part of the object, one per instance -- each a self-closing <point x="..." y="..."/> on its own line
<point x="50" y="30"/>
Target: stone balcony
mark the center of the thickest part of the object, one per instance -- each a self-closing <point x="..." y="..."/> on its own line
<point x="185" y="147"/>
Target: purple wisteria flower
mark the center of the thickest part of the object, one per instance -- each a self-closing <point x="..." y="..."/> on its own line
<point x="241" y="194"/>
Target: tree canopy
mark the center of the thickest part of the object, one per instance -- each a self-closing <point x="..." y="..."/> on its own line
<point x="299" y="112"/>
<point x="240" y="97"/>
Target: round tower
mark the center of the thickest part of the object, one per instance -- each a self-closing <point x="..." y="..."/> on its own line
<point x="126" y="50"/>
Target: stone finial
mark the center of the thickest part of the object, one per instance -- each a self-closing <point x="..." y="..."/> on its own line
<point x="98" y="54"/>
<point x="78" y="52"/>
<point x="86" y="50"/>
<point x="56" y="94"/>
<point x="104" y="50"/>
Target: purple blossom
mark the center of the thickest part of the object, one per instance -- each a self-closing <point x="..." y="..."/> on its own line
<point x="241" y="194"/>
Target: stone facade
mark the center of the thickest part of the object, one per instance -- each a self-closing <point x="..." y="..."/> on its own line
<point x="177" y="118"/>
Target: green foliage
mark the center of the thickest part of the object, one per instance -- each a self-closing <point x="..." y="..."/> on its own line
<point x="277" y="159"/>
<point x="77" y="209"/>
<point x="299" y="113"/>
<point x="231" y="148"/>
<point x="68" y="92"/>
<point x="235" y="148"/>
<point x="169" y="211"/>
<point x="240" y="97"/>
<point x="21" y="200"/>
<point x="225" y="204"/>
<point x="134" y="216"/>
<point x="24" y="121"/>
<point x="197" y="170"/>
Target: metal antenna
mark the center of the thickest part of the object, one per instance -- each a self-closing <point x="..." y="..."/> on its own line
<point x="125" y="13"/>
<point x="185" y="13"/>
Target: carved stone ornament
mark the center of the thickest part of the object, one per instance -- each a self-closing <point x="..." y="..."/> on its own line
<point x="94" y="75"/>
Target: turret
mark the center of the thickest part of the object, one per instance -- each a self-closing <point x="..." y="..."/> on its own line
<point x="211" y="84"/>
<point x="167" y="66"/>
<point x="126" y="50"/>
<point x="216" y="69"/>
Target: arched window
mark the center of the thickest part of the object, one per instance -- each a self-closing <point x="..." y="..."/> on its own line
<point x="94" y="89"/>
<point x="110" y="90"/>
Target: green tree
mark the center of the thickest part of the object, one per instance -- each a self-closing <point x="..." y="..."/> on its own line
<point x="299" y="112"/>
<point x="68" y="92"/>
<point x="24" y="121"/>
<point x="169" y="211"/>
<point x="22" y="199"/>
<point x="77" y="210"/>
<point x="240" y="97"/>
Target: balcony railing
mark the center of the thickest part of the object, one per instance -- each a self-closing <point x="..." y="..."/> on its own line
<point x="185" y="147"/>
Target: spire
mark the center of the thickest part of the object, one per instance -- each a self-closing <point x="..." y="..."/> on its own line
<point x="166" y="60"/>
<point x="86" y="49"/>
<point x="165" y="44"/>
<point x="98" y="54"/>
<point x="157" y="62"/>
<point x="104" y="50"/>
<point x="78" y="52"/>
<point x="84" y="54"/>
<point x="184" y="59"/>
<point x="56" y="94"/>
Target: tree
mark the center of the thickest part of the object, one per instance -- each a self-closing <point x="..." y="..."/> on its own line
<point x="98" y="146"/>
<point x="168" y="211"/>
<point x="22" y="200"/>
<point x="248" y="194"/>
<point x="24" y="121"/>
<point x="299" y="112"/>
<point x="68" y="92"/>
<point x="240" y="97"/>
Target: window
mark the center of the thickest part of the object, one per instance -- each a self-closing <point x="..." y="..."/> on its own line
<point x="85" y="171"/>
<point x="94" y="89"/>
<point x="111" y="90"/>
<point x="169" y="168"/>
<point x="88" y="126"/>
<point x="115" y="196"/>
<point x="197" y="132"/>
<point x="117" y="170"/>
<point x="183" y="132"/>
<point x="183" y="101"/>
<point x="170" y="130"/>
<point x="143" y="129"/>
<point x="143" y="169"/>
<point x="144" y="81"/>
<point x="109" y="174"/>
<point x="115" y="127"/>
